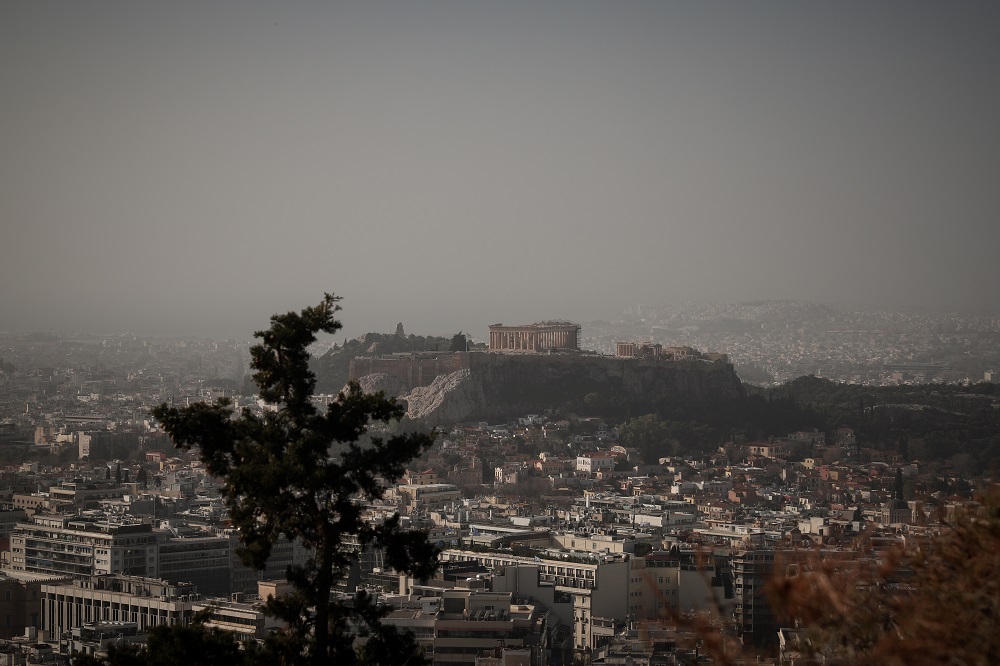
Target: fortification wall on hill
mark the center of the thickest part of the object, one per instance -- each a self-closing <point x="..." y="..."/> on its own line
<point x="616" y="364"/>
<point x="417" y="369"/>
<point x="421" y="368"/>
<point x="450" y="387"/>
<point x="511" y="379"/>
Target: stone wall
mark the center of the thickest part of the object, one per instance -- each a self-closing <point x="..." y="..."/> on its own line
<point x="450" y="387"/>
<point x="417" y="369"/>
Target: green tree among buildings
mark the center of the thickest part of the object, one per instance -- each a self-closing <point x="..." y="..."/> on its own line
<point x="306" y="474"/>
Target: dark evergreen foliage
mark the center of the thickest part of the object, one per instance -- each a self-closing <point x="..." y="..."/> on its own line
<point x="192" y="645"/>
<point x="303" y="473"/>
<point x="459" y="342"/>
<point x="926" y="422"/>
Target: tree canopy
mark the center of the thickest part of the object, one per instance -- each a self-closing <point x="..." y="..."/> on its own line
<point x="306" y="474"/>
<point x="193" y="645"/>
<point x="935" y="601"/>
<point x="459" y="342"/>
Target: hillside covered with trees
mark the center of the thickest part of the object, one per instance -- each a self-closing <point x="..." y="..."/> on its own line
<point x="931" y="422"/>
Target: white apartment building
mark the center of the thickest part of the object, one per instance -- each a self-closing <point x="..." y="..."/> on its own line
<point x="79" y="546"/>
<point x="597" y="590"/>
<point x="595" y="462"/>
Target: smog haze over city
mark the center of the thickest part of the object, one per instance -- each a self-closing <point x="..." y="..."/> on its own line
<point x="191" y="168"/>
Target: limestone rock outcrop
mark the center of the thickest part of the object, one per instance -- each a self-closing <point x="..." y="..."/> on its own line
<point x="499" y="386"/>
<point x="450" y="398"/>
<point x="393" y="386"/>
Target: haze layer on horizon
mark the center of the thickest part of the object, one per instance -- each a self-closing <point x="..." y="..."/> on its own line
<point x="192" y="168"/>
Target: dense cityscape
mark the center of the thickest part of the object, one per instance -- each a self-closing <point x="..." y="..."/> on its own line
<point x="563" y="536"/>
<point x="522" y="333"/>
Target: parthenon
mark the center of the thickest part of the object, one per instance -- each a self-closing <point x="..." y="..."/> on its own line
<point x="539" y="337"/>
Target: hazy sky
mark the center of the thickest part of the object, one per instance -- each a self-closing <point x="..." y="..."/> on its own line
<point x="193" y="167"/>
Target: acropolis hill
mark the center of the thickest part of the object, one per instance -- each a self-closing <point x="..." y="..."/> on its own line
<point x="446" y="387"/>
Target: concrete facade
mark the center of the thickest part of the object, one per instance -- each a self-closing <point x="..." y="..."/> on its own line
<point x="145" y="601"/>
<point x="65" y="545"/>
<point x="597" y="591"/>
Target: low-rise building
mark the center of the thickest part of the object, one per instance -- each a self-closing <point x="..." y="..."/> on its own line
<point x="596" y="588"/>
<point x="148" y="602"/>
<point x="429" y="496"/>
<point x="594" y="462"/>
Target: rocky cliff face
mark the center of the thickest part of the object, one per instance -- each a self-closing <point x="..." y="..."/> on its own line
<point x="500" y="386"/>
<point x="332" y="368"/>
<point x="451" y="398"/>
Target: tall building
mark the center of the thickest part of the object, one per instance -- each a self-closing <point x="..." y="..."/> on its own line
<point x="680" y="582"/>
<point x="284" y="553"/>
<point x="78" y="546"/>
<point x="753" y="615"/>
<point x="205" y="561"/>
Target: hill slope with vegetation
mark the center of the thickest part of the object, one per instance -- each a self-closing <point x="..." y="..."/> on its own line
<point x="332" y="368"/>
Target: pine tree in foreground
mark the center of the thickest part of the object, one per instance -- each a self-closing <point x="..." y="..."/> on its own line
<point x="307" y="474"/>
